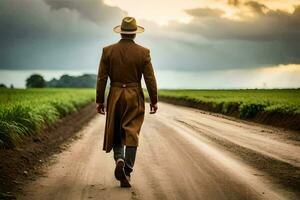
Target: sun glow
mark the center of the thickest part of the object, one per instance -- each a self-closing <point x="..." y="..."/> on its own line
<point x="286" y="5"/>
<point x="282" y="68"/>
<point x="161" y="12"/>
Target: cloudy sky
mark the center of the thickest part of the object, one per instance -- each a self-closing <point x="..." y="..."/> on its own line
<point x="184" y="35"/>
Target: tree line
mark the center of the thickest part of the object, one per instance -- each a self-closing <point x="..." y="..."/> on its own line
<point x="65" y="81"/>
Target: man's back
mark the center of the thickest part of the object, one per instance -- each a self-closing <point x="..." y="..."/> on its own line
<point x="125" y="61"/>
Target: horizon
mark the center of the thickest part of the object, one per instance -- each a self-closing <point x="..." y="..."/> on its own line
<point x="188" y="79"/>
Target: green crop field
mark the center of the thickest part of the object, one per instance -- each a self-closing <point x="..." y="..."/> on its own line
<point x="26" y="111"/>
<point x="246" y="102"/>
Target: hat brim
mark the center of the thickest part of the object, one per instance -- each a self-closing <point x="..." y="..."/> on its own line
<point x="118" y="29"/>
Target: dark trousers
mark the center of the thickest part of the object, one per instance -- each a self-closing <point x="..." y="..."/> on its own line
<point x="127" y="153"/>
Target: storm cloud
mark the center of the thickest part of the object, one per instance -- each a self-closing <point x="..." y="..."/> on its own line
<point x="269" y="38"/>
<point x="270" y="26"/>
<point x="35" y="34"/>
<point x="69" y="34"/>
<point x="93" y="10"/>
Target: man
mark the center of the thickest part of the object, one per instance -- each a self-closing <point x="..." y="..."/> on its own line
<point x="125" y="63"/>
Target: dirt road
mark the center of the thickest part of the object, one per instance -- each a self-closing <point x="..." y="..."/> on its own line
<point x="184" y="154"/>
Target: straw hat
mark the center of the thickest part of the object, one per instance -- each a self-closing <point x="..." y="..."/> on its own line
<point x="128" y="26"/>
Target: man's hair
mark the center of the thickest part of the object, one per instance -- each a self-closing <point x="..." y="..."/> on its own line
<point x="128" y="36"/>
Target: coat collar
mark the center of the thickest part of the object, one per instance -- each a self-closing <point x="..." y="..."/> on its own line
<point x="126" y="40"/>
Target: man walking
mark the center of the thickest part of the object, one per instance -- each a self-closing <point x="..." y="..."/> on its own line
<point x="125" y="63"/>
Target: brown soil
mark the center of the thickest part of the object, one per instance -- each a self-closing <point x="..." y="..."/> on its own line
<point x="287" y="121"/>
<point x="23" y="162"/>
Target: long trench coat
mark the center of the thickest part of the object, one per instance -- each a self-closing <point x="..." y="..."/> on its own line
<point x="125" y="63"/>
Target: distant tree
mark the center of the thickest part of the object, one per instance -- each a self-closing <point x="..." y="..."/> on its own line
<point x="53" y="83"/>
<point x="12" y="86"/>
<point x="2" y="85"/>
<point x="67" y="81"/>
<point x="35" y="81"/>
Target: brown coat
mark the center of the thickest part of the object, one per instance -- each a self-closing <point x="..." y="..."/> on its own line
<point x="124" y="63"/>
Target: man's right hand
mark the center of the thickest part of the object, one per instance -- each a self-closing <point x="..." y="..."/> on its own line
<point x="153" y="108"/>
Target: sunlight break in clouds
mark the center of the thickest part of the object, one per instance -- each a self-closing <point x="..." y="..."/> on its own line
<point x="162" y="12"/>
<point x="286" y="5"/>
<point x="158" y="11"/>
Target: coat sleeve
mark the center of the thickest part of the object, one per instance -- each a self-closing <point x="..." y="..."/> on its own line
<point x="101" y="79"/>
<point x="150" y="79"/>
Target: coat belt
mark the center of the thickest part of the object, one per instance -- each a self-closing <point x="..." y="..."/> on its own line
<point x="124" y="85"/>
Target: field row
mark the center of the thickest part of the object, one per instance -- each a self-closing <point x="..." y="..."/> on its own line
<point x="248" y="102"/>
<point x="27" y="112"/>
<point x="279" y="107"/>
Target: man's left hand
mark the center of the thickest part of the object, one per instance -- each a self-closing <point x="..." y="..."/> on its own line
<point x="101" y="108"/>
